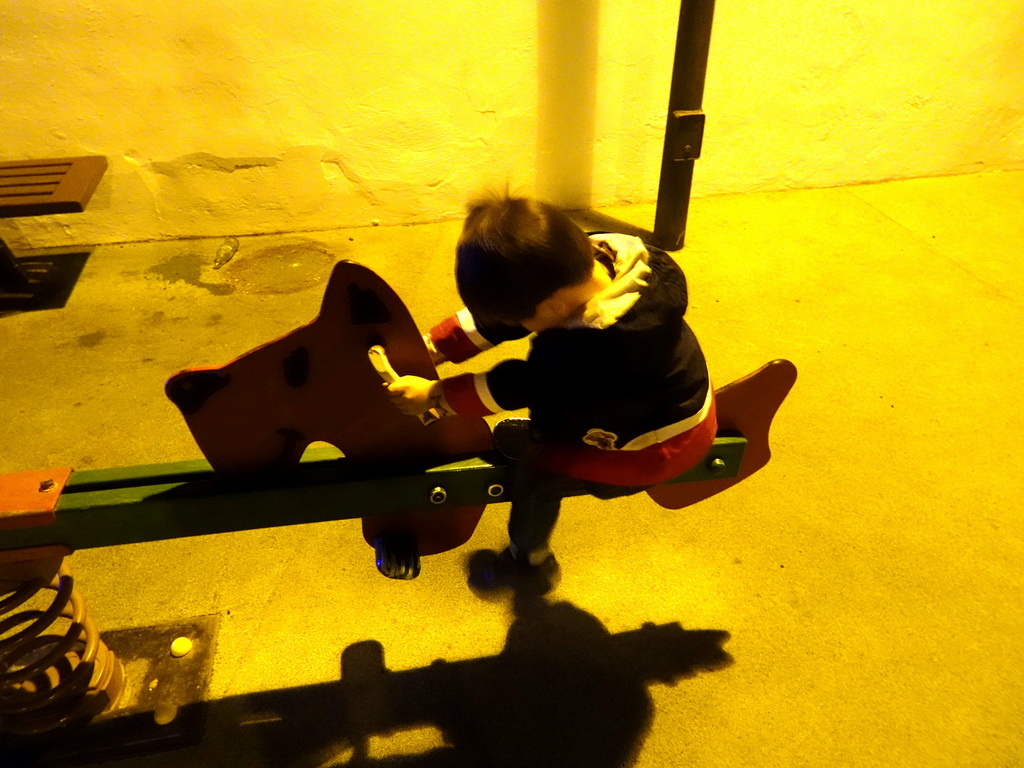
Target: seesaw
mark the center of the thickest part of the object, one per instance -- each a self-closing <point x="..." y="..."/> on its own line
<point x="420" y="489"/>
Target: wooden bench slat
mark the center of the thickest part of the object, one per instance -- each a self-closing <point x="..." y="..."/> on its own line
<point x="29" y="168"/>
<point x="23" y="189"/>
<point x="38" y="178"/>
<point x="11" y="180"/>
<point x="68" y="186"/>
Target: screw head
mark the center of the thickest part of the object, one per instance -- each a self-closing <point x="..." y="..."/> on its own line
<point x="438" y="496"/>
<point x="46" y="486"/>
<point x="717" y="466"/>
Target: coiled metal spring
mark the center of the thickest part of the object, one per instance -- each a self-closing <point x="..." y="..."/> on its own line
<point x="54" y="668"/>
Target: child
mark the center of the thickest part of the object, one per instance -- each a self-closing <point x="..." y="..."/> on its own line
<point x="615" y="381"/>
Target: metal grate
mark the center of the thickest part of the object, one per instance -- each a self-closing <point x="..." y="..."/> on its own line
<point x="40" y="187"/>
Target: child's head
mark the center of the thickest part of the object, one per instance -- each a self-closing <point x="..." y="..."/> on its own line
<point x="514" y="253"/>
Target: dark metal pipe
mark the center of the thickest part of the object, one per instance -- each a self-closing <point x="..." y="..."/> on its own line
<point x="684" y="125"/>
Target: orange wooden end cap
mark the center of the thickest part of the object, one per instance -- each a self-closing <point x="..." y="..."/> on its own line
<point x="29" y="499"/>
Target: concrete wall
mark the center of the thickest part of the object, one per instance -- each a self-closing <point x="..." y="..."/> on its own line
<point x="230" y="117"/>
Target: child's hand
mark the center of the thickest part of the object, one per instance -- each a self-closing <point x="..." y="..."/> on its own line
<point x="436" y="357"/>
<point x="413" y="395"/>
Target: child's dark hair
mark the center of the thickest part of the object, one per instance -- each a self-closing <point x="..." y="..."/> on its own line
<point x="514" y="253"/>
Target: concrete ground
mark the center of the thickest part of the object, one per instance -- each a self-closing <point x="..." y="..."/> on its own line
<point x="866" y="587"/>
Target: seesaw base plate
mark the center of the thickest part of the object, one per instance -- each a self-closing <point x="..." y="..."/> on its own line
<point x="162" y="707"/>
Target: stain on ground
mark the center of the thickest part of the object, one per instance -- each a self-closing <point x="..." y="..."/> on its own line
<point x="93" y="339"/>
<point x="288" y="267"/>
<point x="157" y="319"/>
<point x="188" y="268"/>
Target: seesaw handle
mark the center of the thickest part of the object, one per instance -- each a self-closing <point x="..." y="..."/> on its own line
<point x="381" y="364"/>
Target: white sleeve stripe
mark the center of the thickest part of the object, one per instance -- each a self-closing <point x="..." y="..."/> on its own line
<point x="648" y="439"/>
<point x="484" y="393"/>
<point x="468" y="326"/>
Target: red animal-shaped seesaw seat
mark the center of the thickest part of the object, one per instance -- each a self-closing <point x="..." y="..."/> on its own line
<point x="262" y="410"/>
<point x="745" y="407"/>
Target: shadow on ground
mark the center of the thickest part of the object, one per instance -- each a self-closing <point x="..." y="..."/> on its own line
<point x="563" y="692"/>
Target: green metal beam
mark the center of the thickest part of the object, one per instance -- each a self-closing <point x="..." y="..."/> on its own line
<point x="129" y="505"/>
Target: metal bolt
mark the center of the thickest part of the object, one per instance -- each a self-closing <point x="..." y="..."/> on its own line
<point x="46" y="486"/>
<point x="496" y="490"/>
<point x="165" y="713"/>
<point x="438" y="496"/>
<point x="716" y="466"/>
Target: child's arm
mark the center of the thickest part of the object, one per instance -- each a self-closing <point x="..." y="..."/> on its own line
<point x="459" y="337"/>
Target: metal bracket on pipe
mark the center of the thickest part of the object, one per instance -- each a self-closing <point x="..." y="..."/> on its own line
<point x="687" y="134"/>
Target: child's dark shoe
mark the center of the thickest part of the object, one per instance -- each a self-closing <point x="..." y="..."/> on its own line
<point x="512" y="437"/>
<point x="490" y="571"/>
